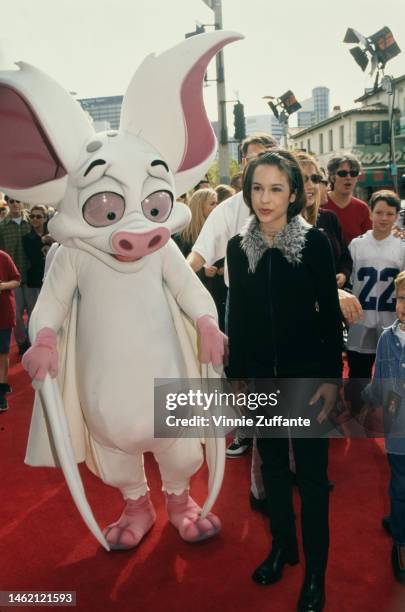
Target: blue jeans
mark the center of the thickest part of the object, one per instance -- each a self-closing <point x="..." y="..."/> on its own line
<point x="397" y="495"/>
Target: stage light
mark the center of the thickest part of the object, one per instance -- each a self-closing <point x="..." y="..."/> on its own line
<point x="377" y="49"/>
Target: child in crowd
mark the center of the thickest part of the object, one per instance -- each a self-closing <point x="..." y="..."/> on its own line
<point x="378" y="257"/>
<point x="387" y="389"/>
<point x="9" y="280"/>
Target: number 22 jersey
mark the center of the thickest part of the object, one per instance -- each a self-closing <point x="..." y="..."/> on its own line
<point x="376" y="263"/>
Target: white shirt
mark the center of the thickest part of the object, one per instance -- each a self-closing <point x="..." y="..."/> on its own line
<point x="376" y="263"/>
<point x="225" y="221"/>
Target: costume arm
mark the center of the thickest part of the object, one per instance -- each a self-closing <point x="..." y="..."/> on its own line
<point x="191" y="295"/>
<point x="55" y="299"/>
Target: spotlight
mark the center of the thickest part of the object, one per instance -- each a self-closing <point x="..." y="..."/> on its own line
<point x="285" y="104"/>
<point x="377" y="49"/>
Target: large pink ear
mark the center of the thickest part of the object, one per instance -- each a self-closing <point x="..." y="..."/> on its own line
<point x="164" y="106"/>
<point x="42" y="132"/>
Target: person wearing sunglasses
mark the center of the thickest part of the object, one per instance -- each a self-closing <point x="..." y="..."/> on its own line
<point x="353" y="214"/>
<point x="324" y="220"/>
<point x="33" y="246"/>
<point x="12" y="230"/>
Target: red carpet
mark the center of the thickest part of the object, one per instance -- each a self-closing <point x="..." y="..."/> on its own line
<point x="45" y="546"/>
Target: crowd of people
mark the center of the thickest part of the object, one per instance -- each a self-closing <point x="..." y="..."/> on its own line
<point x="286" y="282"/>
<point x="24" y="242"/>
<point x="294" y="262"/>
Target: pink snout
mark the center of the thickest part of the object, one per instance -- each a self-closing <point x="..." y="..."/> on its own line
<point x="129" y="246"/>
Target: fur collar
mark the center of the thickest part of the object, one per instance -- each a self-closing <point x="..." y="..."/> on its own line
<point x="290" y="241"/>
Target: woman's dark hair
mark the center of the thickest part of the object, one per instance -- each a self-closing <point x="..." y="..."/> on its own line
<point x="288" y="165"/>
<point x="387" y="196"/>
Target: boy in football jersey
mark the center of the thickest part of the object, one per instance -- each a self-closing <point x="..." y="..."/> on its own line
<point x="378" y="257"/>
<point x="387" y="389"/>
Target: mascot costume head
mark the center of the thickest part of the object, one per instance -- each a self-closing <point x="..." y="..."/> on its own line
<point x="110" y="316"/>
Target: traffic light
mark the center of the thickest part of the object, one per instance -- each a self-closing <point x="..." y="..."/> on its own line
<point x="239" y="121"/>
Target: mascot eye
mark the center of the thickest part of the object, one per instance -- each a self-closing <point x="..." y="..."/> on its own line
<point x="158" y="206"/>
<point x="103" y="209"/>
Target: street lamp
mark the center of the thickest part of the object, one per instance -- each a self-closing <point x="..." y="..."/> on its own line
<point x="282" y="108"/>
<point x="377" y="50"/>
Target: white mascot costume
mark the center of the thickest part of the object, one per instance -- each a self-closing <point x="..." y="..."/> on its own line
<point x="115" y="309"/>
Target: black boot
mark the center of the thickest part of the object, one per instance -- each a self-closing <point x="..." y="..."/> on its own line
<point x="312" y="597"/>
<point x="4" y="388"/>
<point x="258" y="505"/>
<point x="398" y="564"/>
<point x="271" y="570"/>
<point x="386" y="524"/>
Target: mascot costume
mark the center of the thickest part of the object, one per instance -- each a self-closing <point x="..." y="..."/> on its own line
<point x="120" y="305"/>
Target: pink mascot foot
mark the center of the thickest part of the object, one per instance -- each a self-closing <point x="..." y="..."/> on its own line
<point x="135" y="522"/>
<point x="184" y="514"/>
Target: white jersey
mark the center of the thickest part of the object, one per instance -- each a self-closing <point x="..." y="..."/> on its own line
<point x="225" y="221"/>
<point x="376" y="263"/>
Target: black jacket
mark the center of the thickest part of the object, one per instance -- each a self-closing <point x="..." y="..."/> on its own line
<point x="33" y="246"/>
<point x="284" y="315"/>
<point x="329" y="223"/>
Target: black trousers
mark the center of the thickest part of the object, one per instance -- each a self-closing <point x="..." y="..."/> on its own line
<point x="360" y="369"/>
<point x="311" y="458"/>
<point x="360" y="364"/>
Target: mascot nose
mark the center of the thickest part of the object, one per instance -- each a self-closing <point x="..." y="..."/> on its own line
<point x="130" y="245"/>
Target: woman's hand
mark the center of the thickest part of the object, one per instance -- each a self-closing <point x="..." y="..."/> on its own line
<point x="327" y="392"/>
<point x="340" y="280"/>
<point x="350" y="307"/>
<point x="210" y="271"/>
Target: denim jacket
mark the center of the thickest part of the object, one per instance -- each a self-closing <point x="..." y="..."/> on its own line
<point x="389" y="379"/>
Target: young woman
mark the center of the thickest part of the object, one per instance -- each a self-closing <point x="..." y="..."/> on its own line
<point x="285" y="322"/>
<point x="323" y="219"/>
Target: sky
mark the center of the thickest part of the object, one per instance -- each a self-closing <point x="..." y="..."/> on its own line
<point x="93" y="47"/>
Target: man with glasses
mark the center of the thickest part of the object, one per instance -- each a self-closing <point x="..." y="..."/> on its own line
<point x="12" y="231"/>
<point x="353" y="214"/>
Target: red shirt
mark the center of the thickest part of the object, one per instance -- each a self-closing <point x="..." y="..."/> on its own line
<point x="8" y="272"/>
<point x="354" y="218"/>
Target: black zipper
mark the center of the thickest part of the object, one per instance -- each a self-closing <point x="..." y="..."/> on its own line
<point x="275" y="358"/>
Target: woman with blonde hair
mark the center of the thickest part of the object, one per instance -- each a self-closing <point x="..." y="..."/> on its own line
<point x="201" y="204"/>
<point x="324" y="220"/>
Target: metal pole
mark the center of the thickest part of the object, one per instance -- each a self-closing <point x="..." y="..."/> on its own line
<point x="221" y="96"/>
<point x="388" y="86"/>
<point x="394" y="167"/>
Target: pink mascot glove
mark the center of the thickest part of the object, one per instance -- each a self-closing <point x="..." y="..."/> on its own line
<point x="213" y="344"/>
<point x="42" y="357"/>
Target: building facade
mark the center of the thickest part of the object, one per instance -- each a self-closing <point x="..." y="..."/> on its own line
<point x="314" y="109"/>
<point x="105" y="112"/>
<point x="363" y="131"/>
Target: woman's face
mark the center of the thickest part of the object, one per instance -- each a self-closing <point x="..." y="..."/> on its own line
<point x="271" y="196"/>
<point x="37" y="218"/>
<point x="311" y="187"/>
<point x="209" y="205"/>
